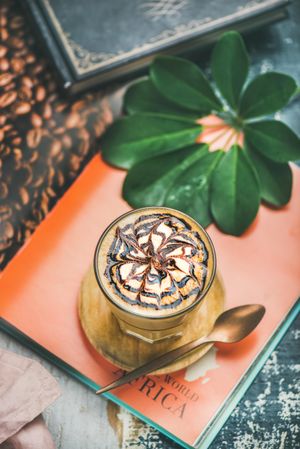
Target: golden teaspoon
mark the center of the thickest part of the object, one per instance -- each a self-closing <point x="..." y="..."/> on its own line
<point x="230" y="327"/>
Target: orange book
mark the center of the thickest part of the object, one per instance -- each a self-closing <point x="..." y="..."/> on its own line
<point x="38" y="305"/>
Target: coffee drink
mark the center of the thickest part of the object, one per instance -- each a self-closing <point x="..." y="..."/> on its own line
<point x="155" y="262"/>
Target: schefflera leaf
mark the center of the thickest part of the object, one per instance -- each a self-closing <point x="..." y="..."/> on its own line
<point x="266" y="94"/>
<point x="148" y="182"/>
<point x="235" y="194"/>
<point x="190" y="192"/>
<point x="275" y="179"/>
<point x="138" y="137"/>
<point x="144" y="97"/>
<point x="182" y="82"/>
<point x="274" y="140"/>
<point x="230" y="65"/>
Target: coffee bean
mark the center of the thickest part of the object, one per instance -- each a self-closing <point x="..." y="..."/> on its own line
<point x="55" y="148"/>
<point x="67" y="141"/>
<point x="51" y="192"/>
<point x="78" y="105"/>
<point x="75" y="162"/>
<point x="3" y="51"/>
<point x="15" y="42"/>
<point x="5" y="79"/>
<point x="59" y="158"/>
<point x="99" y="128"/>
<point x="59" y="131"/>
<point x="83" y="134"/>
<point x="4" y="244"/>
<point x="39" y="181"/>
<point x="8" y="127"/>
<point x="4" y="64"/>
<point x="9" y="87"/>
<point x="3" y="34"/>
<point x="33" y="157"/>
<point x="4" y="151"/>
<point x="52" y="124"/>
<point x="72" y="120"/>
<point x="60" y="178"/>
<point x="16" y="141"/>
<point x="40" y="93"/>
<point x="83" y="148"/>
<point x="30" y="224"/>
<point x="17" y="65"/>
<point x="37" y="68"/>
<point x="24" y="195"/>
<point x="47" y="111"/>
<point x="5" y="212"/>
<point x="3" y="190"/>
<point x="34" y="137"/>
<point x="61" y="107"/>
<point x="52" y="97"/>
<point x="25" y="93"/>
<point x="30" y="58"/>
<point x="26" y="81"/>
<point x="36" y="120"/>
<point x="17" y="154"/>
<point x="21" y="108"/>
<point x="7" y="99"/>
<point x="3" y="20"/>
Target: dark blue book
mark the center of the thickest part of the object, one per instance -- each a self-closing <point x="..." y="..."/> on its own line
<point x="93" y="42"/>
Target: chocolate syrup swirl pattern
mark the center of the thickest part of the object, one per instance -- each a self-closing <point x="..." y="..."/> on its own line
<point x="158" y="261"/>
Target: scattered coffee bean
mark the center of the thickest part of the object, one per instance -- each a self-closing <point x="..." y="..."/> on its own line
<point x="21" y="108"/>
<point x="7" y="99"/>
<point x="5" y="79"/>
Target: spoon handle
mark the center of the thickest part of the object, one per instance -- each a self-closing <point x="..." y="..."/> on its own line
<point x="158" y="362"/>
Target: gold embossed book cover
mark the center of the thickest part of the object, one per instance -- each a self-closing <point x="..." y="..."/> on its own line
<point x="104" y="41"/>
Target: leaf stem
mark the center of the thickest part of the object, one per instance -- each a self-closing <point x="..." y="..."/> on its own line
<point x="233" y="132"/>
<point x="219" y="136"/>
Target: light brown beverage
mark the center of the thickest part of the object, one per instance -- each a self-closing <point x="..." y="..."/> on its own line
<point x="154" y="265"/>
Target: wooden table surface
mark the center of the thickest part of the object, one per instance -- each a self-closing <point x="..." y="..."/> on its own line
<point x="268" y="417"/>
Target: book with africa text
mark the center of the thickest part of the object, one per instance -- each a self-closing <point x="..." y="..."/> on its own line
<point x="39" y="290"/>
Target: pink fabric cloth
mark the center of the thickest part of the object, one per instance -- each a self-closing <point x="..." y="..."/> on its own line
<point x="26" y="389"/>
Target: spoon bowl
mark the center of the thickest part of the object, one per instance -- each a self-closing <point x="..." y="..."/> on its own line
<point x="235" y="324"/>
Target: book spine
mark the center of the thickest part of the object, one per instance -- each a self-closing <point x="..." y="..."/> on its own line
<point x="49" y="44"/>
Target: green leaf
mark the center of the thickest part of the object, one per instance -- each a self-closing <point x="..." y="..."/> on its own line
<point x="235" y="195"/>
<point x="183" y="83"/>
<point x="147" y="184"/>
<point x="138" y="137"/>
<point x="190" y="192"/>
<point x="274" y="139"/>
<point x="266" y="94"/>
<point x="230" y="65"/>
<point x="143" y="96"/>
<point x="275" y="179"/>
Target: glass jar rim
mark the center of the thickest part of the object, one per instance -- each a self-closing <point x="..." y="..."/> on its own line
<point x="125" y="309"/>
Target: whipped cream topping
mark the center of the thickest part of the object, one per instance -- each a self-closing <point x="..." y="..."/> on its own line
<point x="157" y="261"/>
